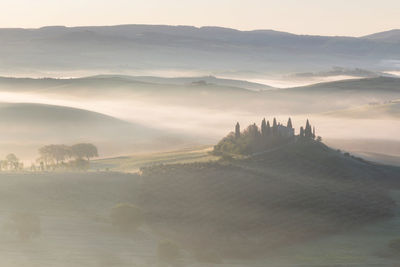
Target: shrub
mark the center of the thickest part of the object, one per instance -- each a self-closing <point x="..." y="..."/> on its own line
<point x="208" y="257"/>
<point x="168" y="252"/>
<point x="395" y="244"/>
<point x="126" y="217"/>
<point x="26" y="225"/>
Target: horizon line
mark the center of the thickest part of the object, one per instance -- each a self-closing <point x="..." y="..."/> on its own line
<point x="189" y="26"/>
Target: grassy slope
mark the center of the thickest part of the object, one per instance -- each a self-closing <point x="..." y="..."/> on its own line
<point x="134" y="162"/>
<point x="74" y="212"/>
<point x="292" y="195"/>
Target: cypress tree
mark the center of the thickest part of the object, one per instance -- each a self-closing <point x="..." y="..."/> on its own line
<point x="253" y="131"/>
<point x="274" y="128"/>
<point x="268" y="131"/>
<point x="237" y="130"/>
<point x="307" y="131"/>
<point x="301" y="131"/>
<point x="263" y="128"/>
<point x="313" y="133"/>
<point x="289" y="123"/>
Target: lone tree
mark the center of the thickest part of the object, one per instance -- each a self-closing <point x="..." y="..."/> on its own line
<point x="87" y="151"/>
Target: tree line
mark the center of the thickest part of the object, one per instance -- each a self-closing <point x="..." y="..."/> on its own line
<point x="55" y="157"/>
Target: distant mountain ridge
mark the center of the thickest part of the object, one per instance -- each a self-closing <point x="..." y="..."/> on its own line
<point x="387" y="36"/>
<point x="138" y="47"/>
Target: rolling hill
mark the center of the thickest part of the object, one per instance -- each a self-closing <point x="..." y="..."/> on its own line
<point x="247" y="207"/>
<point x="209" y="92"/>
<point x="25" y="127"/>
<point x="372" y="111"/>
<point x="211" y="80"/>
<point x="332" y="96"/>
<point x="377" y="85"/>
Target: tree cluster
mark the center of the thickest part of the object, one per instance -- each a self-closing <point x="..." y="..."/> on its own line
<point x="65" y="157"/>
<point x="257" y="139"/>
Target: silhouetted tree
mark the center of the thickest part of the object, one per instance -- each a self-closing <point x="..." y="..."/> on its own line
<point x="274" y="128"/>
<point x="42" y="166"/>
<point x="237" y="130"/>
<point x="253" y="131"/>
<point x="301" y="131"/>
<point x="84" y="151"/>
<point x="289" y="123"/>
<point x="268" y="130"/>
<point x="264" y="128"/>
<point x="307" y="130"/>
<point x="3" y="165"/>
<point x="12" y="162"/>
<point x="57" y="153"/>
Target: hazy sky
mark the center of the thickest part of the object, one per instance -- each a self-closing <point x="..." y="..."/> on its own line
<point x="325" y="17"/>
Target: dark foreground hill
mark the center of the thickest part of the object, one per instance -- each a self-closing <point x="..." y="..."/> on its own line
<point x="239" y="208"/>
<point x="223" y="209"/>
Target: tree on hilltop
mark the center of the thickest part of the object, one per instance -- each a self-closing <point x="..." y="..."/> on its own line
<point x="301" y="131"/>
<point x="268" y="130"/>
<point x="237" y="130"/>
<point x="83" y="150"/>
<point x="274" y="128"/>
<point x="289" y="123"/>
<point x="307" y="130"/>
<point x="264" y="128"/>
